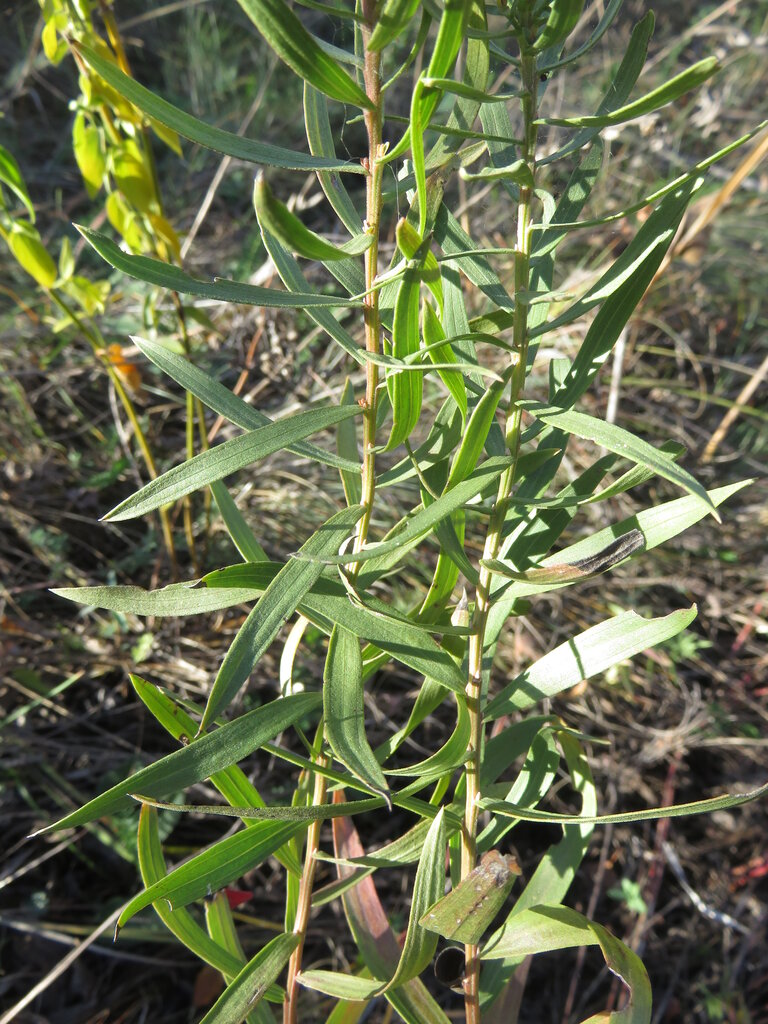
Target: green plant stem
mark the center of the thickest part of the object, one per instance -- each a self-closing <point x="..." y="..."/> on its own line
<point x="99" y="348"/>
<point x="373" y="203"/>
<point x="304" y="904"/>
<point x="493" y="539"/>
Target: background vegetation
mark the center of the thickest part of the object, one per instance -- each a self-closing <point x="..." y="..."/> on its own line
<point x="684" y="722"/>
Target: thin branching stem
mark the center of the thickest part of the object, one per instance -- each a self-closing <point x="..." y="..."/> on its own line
<point x="373" y="204"/>
<point x="373" y="123"/>
<point x="493" y="539"/>
<point x="304" y="903"/>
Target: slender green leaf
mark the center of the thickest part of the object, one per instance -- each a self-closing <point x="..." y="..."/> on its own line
<point x="10" y="175"/>
<point x="231" y="782"/>
<point x="344" y="710"/>
<point x="198" y="760"/>
<point x="276" y="218"/>
<point x="180" y="922"/>
<point x="250" y="985"/>
<point x="392" y="19"/>
<point x="716" y="803"/>
<point x="622" y="442"/>
<point x="420" y="944"/>
<point x="405" y="389"/>
<point x="612" y="8"/>
<point x="412" y="530"/>
<point x="294" y="812"/>
<point x="219" y="462"/>
<point x="620" y="88"/>
<point x="293" y="44"/>
<point x="215" y="867"/>
<point x="676" y="87"/>
<point x="518" y="171"/>
<point x="203" y="134"/>
<point x="545" y="928"/>
<point x="279" y="601"/>
<point x="346" y="447"/>
<point x="327" y="605"/>
<point x="226" y="403"/>
<point x="562" y="20"/>
<point x="240" y="533"/>
<point x="320" y="138"/>
<point x="165" y="275"/>
<point x="452" y="754"/>
<point x="588" y="654"/>
<point x="374" y="938"/>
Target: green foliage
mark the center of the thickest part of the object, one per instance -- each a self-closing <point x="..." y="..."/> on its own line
<point x="480" y="481"/>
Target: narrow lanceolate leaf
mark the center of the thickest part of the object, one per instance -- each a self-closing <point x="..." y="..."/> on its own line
<point x="329" y="604"/>
<point x="689" y="79"/>
<point x="545" y="928"/>
<point x="475" y="436"/>
<point x="276" y="218"/>
<point x="468" y="910"/>
<point x="419" y="945"/>
<point x="591" y="652"/>
<point x="219" y="865"/>
<point x="320" y="138"/>
<point x="344" y="710"/>
<point x="239" y="532"/>
<point x="405" y="389"/>
<point x="279" y="601"/>
<point x="227" y="404"/>
<point x="622" y="442"/>
<point x="449" y="38"/>
<point x="10" y="175"/>
<point x="293" y="44"/>
<point x="198" y="760"/>
<point x="716" y="803"/>
<point x="519" y="172"/>
<point x="250" y="985"/>
<point x="219" y="462"/>
<point x="346" y="446"/>
<point x="434" y="334"/>
<point x="165" y="275"/>
<point x="293" y="812"/>
<point x="452" y="754"/>
<point x="198" y="131"/>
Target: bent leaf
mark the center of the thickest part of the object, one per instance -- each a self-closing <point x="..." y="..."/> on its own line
<point x="276" y="218"/>
<point x="545" y="928"/>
